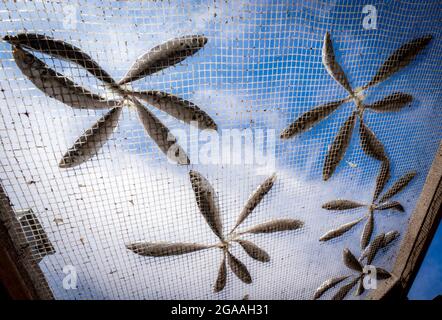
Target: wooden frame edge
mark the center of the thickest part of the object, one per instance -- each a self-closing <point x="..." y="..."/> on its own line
<point x="421" y="228"/>
<point x="19" y="273"/>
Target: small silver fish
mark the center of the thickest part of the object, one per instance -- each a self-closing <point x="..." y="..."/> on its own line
<point x="92" y="140"/>
<point x="400" y="184"/>
<point x="391" y="205"/>
<point x="332" y="66"/>
<point x="207" y="202"/>
<point x="255" y="199"/>
<point x="62" y="50"/>
<point x="222" y="276"/>
<point x="382" y="273"/>
<point x="310" y="118"/>
<point x="393" y="102"/>
<point x="339" y="147"/>
<point x="350" y="261"/>
<point x="238" y="268"/>
<point x="399" y="59"/>
<point x="328" y="284"/>
<point x="339" y="231"/>
<point x="380" y="241"/>
<point x="368" y="230"/>
<point x="276" y="225"/>
<point x="390" y="237"/>
<point x="56" y="85"/>
<point x="163" y="56"/>
<point x="360" y="288"/>
<point x="342" y="205"/>
<point x="370" y="143"/>
<point x="344" y="290"/>
<point x="371" y="250"/>
<point x="164" y="249"/>
<point x="179" y="108"/>
<point x="162" y="136"/>
<point x="253" y="250"/>
<point x="382" y="178"/>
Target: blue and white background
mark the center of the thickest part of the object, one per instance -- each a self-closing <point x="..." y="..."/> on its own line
<point x="261" y="69"/>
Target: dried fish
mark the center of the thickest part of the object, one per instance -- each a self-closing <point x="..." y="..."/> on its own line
<point x="368" y="230"/>
<point x="390" y="237"/>
<point x="398" y="186"/>
<point x="164" y="249"/>
<point x="60" y="49"/>
<point x="57" y="86"/>
<point x="360" y="288"/>
<point x="339" y="231"/>
<point x="382" y="274"/>
<point x="332" y="66"/>
<point x="394" y="102"/>
<point x="370" y="143"/>
<point x="255" y="199"/>
<point x="238" y="268"/>
<point x="342" y="205"/>
<point x="330" y="283"/>
<point x="164" y="56"/>
<point x="275" y="226"/>
<point x="207" y="202"/>
<point x="391" y="205"/>
<point x="161" y="135"/>
<point x="222" y="276"/>
<point x="350" y="261"/>
<point x="310" y="118"/>
<point x="399" y="59"/>
<point x="371" y="251"/>
<point x="379" y="242"/>
<point x="382" y="178"/>
<point x="179" y="108"/>
<point x="338" y="147"/>
<point x="254" y="251"/>
<point x="92" y="140"/>
<point x="344" y="290"/>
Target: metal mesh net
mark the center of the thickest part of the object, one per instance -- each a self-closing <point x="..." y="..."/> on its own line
<point x="260" y="70"/>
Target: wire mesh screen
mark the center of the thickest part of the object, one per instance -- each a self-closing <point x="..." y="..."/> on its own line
<point x="244" y="204"/>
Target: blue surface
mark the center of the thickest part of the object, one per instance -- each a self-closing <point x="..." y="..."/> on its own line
<point x="428" y="282"/>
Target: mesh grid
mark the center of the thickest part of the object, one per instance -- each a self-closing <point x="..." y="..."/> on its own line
<point x="259" y="71"/>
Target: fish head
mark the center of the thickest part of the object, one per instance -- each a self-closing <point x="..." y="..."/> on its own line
<point x="28" y="40"/>
<point x="202" y="40"/>
<point x="390" y="237"/>
<point x="22" y="56"/>
<point x="11" y="39"/>
<point x="134" y="247"/>
<point x="198" y="41"/>
<point x="194" y="175"/>
<point x="211" y="125"/>
<point x="326" y="175"/>
<point x="65" y="163"/>
<point x="327" y="42"/>
<point x="70" y="159"/>
<point x="289" y="132"/>
<point x="392" y="234"/>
